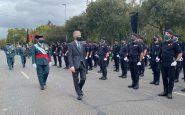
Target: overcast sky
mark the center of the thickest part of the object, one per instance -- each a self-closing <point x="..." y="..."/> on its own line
<point x="32" y="13"/>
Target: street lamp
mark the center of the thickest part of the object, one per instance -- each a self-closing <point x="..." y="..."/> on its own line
<point x="65" y="18"/>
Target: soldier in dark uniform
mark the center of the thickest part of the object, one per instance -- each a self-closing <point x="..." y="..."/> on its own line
<point x="90" y="57"/>
<point x="179" y="62"/>
<point x="183" y="63"/>
<point x="103" y="54"/>
<point x="22" y="53"/>
<point x="170" y="54"/>
<point x="115" y="51"/>
<point x="65" y="52"/>
<point x="59" y="54"/>
<point x="10" y="54"/>
<point x="123" y="58"/>
<point x="54" y="53"/>
<point x="41" y="60"/>
<point x="94" y="52"/>
<point x="135" y="53"/>
<point x="87" y="50"/>
<point x="155" y="50"/>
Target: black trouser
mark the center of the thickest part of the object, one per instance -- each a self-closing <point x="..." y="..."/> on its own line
<point x="116" y="60"/>
<point x="90" y="62"/>
<point x="156" y="70"/>
<point x="55" y="59"/>
<point x="183" y="65"/>
<point x="95" y="60"/>
<point x="168" y="74"/>
<point x="42" y="73"/>
<point x="146" y="61"/>
<point x="66" y="61"/>
<point x="23" y="59"/>
<point x="103" y="66"/>
<point x="78" y="84"/>
<point x="59" y="60"/>
<point x="124" y="67"/>
<point x="177" y="71"/>
<point x="141" y="68"/>
<point x="134" y="72"/>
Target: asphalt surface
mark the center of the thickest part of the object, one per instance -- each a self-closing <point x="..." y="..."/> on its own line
<point x="20" y="94"/>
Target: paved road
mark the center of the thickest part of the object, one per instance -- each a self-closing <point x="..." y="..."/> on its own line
<point x="20" y="94"/>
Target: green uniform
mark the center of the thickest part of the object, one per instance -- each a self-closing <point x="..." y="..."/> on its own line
<point x="21" y="50"/>
<point x="41" y="57"/>
<point x="10" y="54"/>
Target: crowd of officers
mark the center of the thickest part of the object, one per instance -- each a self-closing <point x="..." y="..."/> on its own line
<point x="166" y="56"/>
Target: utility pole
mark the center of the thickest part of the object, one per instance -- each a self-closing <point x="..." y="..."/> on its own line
<point x="65" y="5"/>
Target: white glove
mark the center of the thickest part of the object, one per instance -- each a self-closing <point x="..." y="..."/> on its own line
<point x="86" y="57"/>
<point x="34" y="65"/>
<point x="105" y="59"/>
<point x="148" y="56"/>
<point x="96" y="55"/>
<point x="65" y="54"/>
<point x="50" y="63"/>
<point x="139" y="63"/>
<point x="90" y="56"/>
<point x="117" y="56"/>
<point x="125" y="59"/>
<point x="174" y="63"/>
<point x="157" y="59"/>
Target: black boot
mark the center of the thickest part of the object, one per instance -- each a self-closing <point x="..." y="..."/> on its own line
<point x="169" y="95"/>
<point x="131" y="86"/>
<point x="163" y="94"/>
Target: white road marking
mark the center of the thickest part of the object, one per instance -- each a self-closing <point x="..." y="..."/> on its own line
<point x="4" y="109"/>
<point x="25" y="75"/>
<point x="179" y="93"/>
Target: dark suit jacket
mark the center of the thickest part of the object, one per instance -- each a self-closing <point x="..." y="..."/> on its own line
<point x="75" y="58"/>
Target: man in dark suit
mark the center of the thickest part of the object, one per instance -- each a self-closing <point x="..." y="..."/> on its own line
<point x="76" y="57"/>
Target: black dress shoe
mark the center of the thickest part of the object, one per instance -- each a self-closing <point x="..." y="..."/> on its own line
<point x="183" y="90"/>
<point x="104" y="78"/>
<point x="156" y="83"/>
<point x="169" y="95"/>
<point x="121" y="76"/>
<point x="124" y="76"/>
<point x="79" y="97"/>
<point x="152" y="82"/>
<point x="54" y="65"/>
<point x="99" y="71"/>
<point x="41" y="87"/>
<point x="100" y="77"/>
<point x="136" y="87"/>
<point x="163" y="94"/>
<point x="131" y="86"/>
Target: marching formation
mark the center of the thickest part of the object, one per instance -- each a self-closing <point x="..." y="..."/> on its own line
<point x="165" y="57"/>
